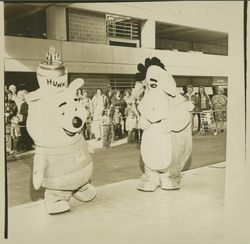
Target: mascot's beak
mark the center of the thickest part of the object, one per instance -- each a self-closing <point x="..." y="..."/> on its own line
<point x="169" y="85"/>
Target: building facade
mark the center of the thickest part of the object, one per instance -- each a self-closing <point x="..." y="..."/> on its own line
<point x="103" y="43"/>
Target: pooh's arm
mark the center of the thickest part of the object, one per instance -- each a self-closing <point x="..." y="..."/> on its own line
<point x="178" y="120"/>
<point x="39" y="166"/>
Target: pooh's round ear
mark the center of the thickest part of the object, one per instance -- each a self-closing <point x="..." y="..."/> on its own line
<point x="76" y="84"/>
<point x="34" y="96"/>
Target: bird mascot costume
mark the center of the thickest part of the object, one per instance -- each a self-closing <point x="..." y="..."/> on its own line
<point x="62" y="162"/>
<point x="165" y="118"/>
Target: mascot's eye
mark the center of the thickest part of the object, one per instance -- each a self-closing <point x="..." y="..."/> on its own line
<point x="153" y="85"/>
<point x="75" y="109"/>
<point x="63" y="113"/>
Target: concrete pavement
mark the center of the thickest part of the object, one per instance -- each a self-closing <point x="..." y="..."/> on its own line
<point x="122" y="214"/>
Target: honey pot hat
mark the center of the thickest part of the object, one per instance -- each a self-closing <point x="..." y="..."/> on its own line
<point x="51" y="73"/>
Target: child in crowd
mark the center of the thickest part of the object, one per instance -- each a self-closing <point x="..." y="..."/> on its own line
<point x="15" y="133"/>
<point x="131" y="124"/>
<point x="106" y="129"/>
<point x="117" y="120"/>
<point x="87" y="127"/>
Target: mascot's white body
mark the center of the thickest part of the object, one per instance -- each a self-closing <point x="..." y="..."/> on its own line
<point x="62" y="162"/>
<point x="165" y="119"/>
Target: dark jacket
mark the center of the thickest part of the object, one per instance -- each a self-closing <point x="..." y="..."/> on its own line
<point x="208" y="102"/>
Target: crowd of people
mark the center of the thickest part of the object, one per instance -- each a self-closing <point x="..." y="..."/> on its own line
<point x="204" y="106"/>
<point x="112" y="115"/>
<point x="16" y="112"/>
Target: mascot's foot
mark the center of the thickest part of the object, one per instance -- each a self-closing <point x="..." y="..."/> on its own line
<point x="60" y="206"/>
<point x="149" y="181"/>
<point x="167" y="184"/>
<point x="148" y="186"/>
<point x="85" y="193"/>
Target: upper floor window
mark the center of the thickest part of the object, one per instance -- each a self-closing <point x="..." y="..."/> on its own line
<point x="190" y="39"/>
<point x="25" y="20"/>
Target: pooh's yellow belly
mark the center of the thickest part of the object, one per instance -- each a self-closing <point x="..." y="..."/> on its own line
<point x="67" y="168"/>
<point x="69" y="180"/>
<point x="156" y="148"/>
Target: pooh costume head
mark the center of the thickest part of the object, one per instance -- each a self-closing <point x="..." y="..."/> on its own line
<point x="55" y="116"/>
<point x="62" y="162"/>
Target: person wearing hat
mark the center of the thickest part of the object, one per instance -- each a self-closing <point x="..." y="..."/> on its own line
<point x="190" y="97"/>
<point x="219" y="102"/>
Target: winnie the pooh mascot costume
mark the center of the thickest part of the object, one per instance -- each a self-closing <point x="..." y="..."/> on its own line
<point x="62" y="162"/>
<point x="165" y="119"/>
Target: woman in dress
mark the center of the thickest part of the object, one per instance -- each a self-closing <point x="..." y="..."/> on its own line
<point x="219" y="102"/>
<point x="204" y="103"/>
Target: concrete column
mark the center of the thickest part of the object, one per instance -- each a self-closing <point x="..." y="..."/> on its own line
<point x="148" y="34"/>
<point x="2" y="153"/>
<point x="237" y="188"/>
<point x="56" y="23"/>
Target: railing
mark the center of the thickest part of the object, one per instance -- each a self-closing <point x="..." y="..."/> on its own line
<point x="122" y="27"/>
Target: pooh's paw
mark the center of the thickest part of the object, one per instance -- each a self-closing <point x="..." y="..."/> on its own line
<point x="86" y="193"/>
<point x="57" y="207"/>
<point x="37" y="180"/>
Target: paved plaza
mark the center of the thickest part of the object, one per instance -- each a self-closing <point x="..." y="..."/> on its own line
<point x="121" y="214"/>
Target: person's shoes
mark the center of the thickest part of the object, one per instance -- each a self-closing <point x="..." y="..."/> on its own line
<point x="222" y="130"/>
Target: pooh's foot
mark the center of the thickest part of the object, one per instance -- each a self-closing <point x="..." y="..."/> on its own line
<point x="85" y="193"/>
<point x="167" y="184"/>
<point x="60" y="206"/>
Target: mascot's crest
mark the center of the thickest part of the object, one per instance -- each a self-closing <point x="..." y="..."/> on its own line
<point x="141" y="75"/>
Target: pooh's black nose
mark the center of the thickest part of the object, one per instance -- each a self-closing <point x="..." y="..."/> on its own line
<point x="77" y="122"/>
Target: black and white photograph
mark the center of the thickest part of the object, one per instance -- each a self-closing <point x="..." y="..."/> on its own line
<point x="125" y="122"/>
